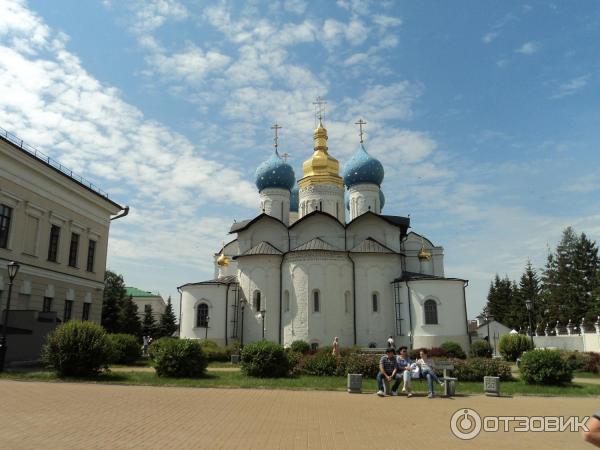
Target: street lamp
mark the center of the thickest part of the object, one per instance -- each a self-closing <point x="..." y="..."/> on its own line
<point x="262" y="315"/>
<point x="13" y="269"/>
<point x="243" y="303"/>
<point x="529" y="306"/>
<point x="206" y="328"/>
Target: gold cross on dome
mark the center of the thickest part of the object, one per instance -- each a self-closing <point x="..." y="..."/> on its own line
<point x="276" y="127"/>
<point x="319" y="107"/>
<point x="285" y="156"/>
<point x="360" y="124"/>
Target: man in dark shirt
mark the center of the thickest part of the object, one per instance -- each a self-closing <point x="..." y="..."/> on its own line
<point x="388" y="370"/>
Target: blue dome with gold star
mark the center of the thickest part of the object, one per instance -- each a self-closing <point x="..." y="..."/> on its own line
<point x="275" y="173"/>
<point x="362" y="168"/>
<point x="294" y="199"/>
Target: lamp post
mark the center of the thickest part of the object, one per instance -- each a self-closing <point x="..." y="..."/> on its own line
<point x="13" y="269"/>
<point x="243" y="302"/>
<point x="262" y="315"/>
<point x="529" y="306"/>
<point x="206" y="329"/>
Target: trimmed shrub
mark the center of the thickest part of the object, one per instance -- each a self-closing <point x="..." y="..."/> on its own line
<point x="126" y="348"/>
<point x="78" y="349"/>
<point x="366" y="364"/>
<point x="300" y="347"/>
<point x="182" y="358"/>
<point x="322" y="363"/>
<point x="582" y="361"/>
<point x="294" y="359"/>
<point x="546" y="367"/>
<point x="264" y="359"/>
<point x="434" y="352"/>
<point x="481" y="349"/>
<point x="512" y="346"/>
<point x="214" y="352"/>
<point x="474" y="369"/>
<point x="453" y="350"/>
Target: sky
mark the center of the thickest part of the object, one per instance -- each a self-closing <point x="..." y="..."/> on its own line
<point x="484" y="114"/>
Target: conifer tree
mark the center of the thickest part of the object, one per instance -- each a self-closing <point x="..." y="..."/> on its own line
<point x="149" y="327"/>
<point x="529" y="289"/>
<point x="167" y="320"/>
<point x="129" y="321"/>
<point x="114" y="293"/>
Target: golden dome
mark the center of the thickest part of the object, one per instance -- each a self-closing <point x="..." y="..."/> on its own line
<point x="321" y="168"/>
<point x="424" y="255"/>
<point x="223" y="260"/>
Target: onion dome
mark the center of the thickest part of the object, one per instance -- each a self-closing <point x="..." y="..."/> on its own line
<point x="362" y="168"/>
<point x="275" y="173"/>
<point x="294" y="199"/>
<point x="381" y="200"/>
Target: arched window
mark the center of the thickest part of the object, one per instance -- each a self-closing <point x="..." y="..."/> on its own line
<point x="202" y="315"/>
<point x="256" y="301"/>
<point x="347" y="302"/>
<point x="431" y="317"/>
<point x="316" y="302"/>
<point x="286" y="301"/>
<point x="375" y="302"/>
<point x="314" y="345"/>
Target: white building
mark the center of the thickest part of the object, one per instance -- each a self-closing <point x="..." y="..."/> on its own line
<point x="306" y="271"/>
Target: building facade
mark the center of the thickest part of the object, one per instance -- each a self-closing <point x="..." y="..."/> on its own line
<point x="145" y="300"/>
<point x="56" y="227"/>
<point x="322" y="260"/>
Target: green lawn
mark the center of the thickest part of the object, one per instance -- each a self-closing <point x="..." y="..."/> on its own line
<point x="234" y="380"/>
<point x="586" y="375"/>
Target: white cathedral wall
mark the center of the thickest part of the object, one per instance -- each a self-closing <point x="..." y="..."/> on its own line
<point x="371" y="226"/>
<point x="374" y="274"/>
<point x="324" y="197"/>
<point x="263" y="230"/>
<point x="276" y="202"/>
<point x="321" y="226"/>
<point x="330" y="274"/>
<point x="260" y="273"/>
<point x="214" y="296"/>
<point x="363" y="197"/>
<point x="452" y="318"/>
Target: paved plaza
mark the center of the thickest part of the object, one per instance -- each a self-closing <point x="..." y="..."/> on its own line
<point x="37" y="415"/>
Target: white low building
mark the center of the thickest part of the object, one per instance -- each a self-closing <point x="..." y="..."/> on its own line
<point x="302" y="270"/>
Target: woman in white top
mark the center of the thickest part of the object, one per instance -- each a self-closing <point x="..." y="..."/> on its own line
<point x="335" y="347"/>
<point x="427" y="366"/>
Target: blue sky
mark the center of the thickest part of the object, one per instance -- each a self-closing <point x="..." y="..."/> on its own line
<point x="484" y="114"/>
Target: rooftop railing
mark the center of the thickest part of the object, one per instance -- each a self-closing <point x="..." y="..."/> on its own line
<point x="51" y="162"/>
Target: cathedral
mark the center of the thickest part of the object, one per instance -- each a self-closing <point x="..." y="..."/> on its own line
<point x="321" y="260"/>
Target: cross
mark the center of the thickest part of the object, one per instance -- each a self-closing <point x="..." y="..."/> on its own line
<point x="285" y="156"/>
<point x="360" y="124"/>
<point x="319" y="107"/>
<point x="276" y="140"/>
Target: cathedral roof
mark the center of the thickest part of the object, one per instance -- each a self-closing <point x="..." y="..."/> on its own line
<point x="316" y="244"/>
<point x="371" y="245"/>
<point x="362" y="168"/>
<point x="243" y="224"/>
<point x="398" y="221"/>
<point x="275" y="173"/>
<point x="263" y="248"/>
<point x="414" y="276"/>
<point x="229" y="279"/>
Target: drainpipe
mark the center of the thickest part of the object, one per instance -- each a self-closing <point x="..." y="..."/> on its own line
<point x="281" y="288"/>
<point x="121" y="214"/>
<point x="465" y="284"/>
<point x="353" y="282"/>
<point x="410" y="325"/>
<point x="180" y="307"/>
<point x="226" y="308"/>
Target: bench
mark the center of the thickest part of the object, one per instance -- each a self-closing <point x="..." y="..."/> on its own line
<point x="449" y="382"/>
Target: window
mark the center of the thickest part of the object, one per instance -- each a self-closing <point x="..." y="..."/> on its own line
<point x="202" y="317"/>
<point x="375" y="302"/>
<point x="73" y="249"/>
<point x="431" y="317"/>
<point x="286" y="301"/>
<point x="5" y="215"/>
<point x="53" y="244"/>
<point x="68" y="310"/>
<point x="85" y="315"/>
<point x="314" y="346"/>
<point x="47" y="305"/>
<point x="256" y="301"/>
<point x="91" y="254"/>
<point x="316" y="302"/>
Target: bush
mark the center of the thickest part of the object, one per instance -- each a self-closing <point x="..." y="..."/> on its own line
<point x="294" y="359"/>
<point x="126" y="348"/>
<point x="512" y="346"/>
<point x="264" y="359"/>
<point x="366" y="364"/>
<point x="545" y="367"/>
<point x="481" y="349"/>
<point x="183" y="358"/>
<point x="322" y="363"/>
<point x="434" y="352"/>
<point x="214" y="352"/>
<point x="78" y="349"/>
<point x="474" y="369"/>
<point x="582" y="361"/>
<point x="453" y="350"/>
<point x="300" y="347"/>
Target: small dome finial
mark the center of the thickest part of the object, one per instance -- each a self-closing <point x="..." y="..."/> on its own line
<point x="223" y="260"/>
<point x="360" y="124"/>
<point x="423" y="255"/>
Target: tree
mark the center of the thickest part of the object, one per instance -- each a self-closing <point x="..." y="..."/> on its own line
<point x="167" y="323"/>
<point x="500" y="298"/>
<point x="529" y="289"/>
<point x="149" y="327"/>
<point x="114" y="293"/>
<point x="585" y="279"/>
<point x="129" y="321"/>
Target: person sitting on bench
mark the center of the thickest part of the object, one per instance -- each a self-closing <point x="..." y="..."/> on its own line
<point x="427" y="367"/>
<point x="404" y="369"/>
<point x="388" y="369"/>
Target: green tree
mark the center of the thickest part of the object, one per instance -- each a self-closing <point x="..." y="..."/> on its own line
<point x="167" y="323"/>
<point x="114" y="293"/>
<point x="528" y="289"/>
<point x="149" y="327"/>
<point x="129" y="321"/>
<point x="500" y="300"/>
<point x="585" y="280"/>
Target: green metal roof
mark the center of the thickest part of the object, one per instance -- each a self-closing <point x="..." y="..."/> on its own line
<point x="135" y="292"/>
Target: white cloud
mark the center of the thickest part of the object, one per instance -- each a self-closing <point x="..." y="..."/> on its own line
<point x="528" y="48"/>
<point x="295" y="6"/>
<point x="386" y="21"/>
<point x="571" y="87"/>
<point x="191" y="65"/>
<point x="489" y="37"/>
